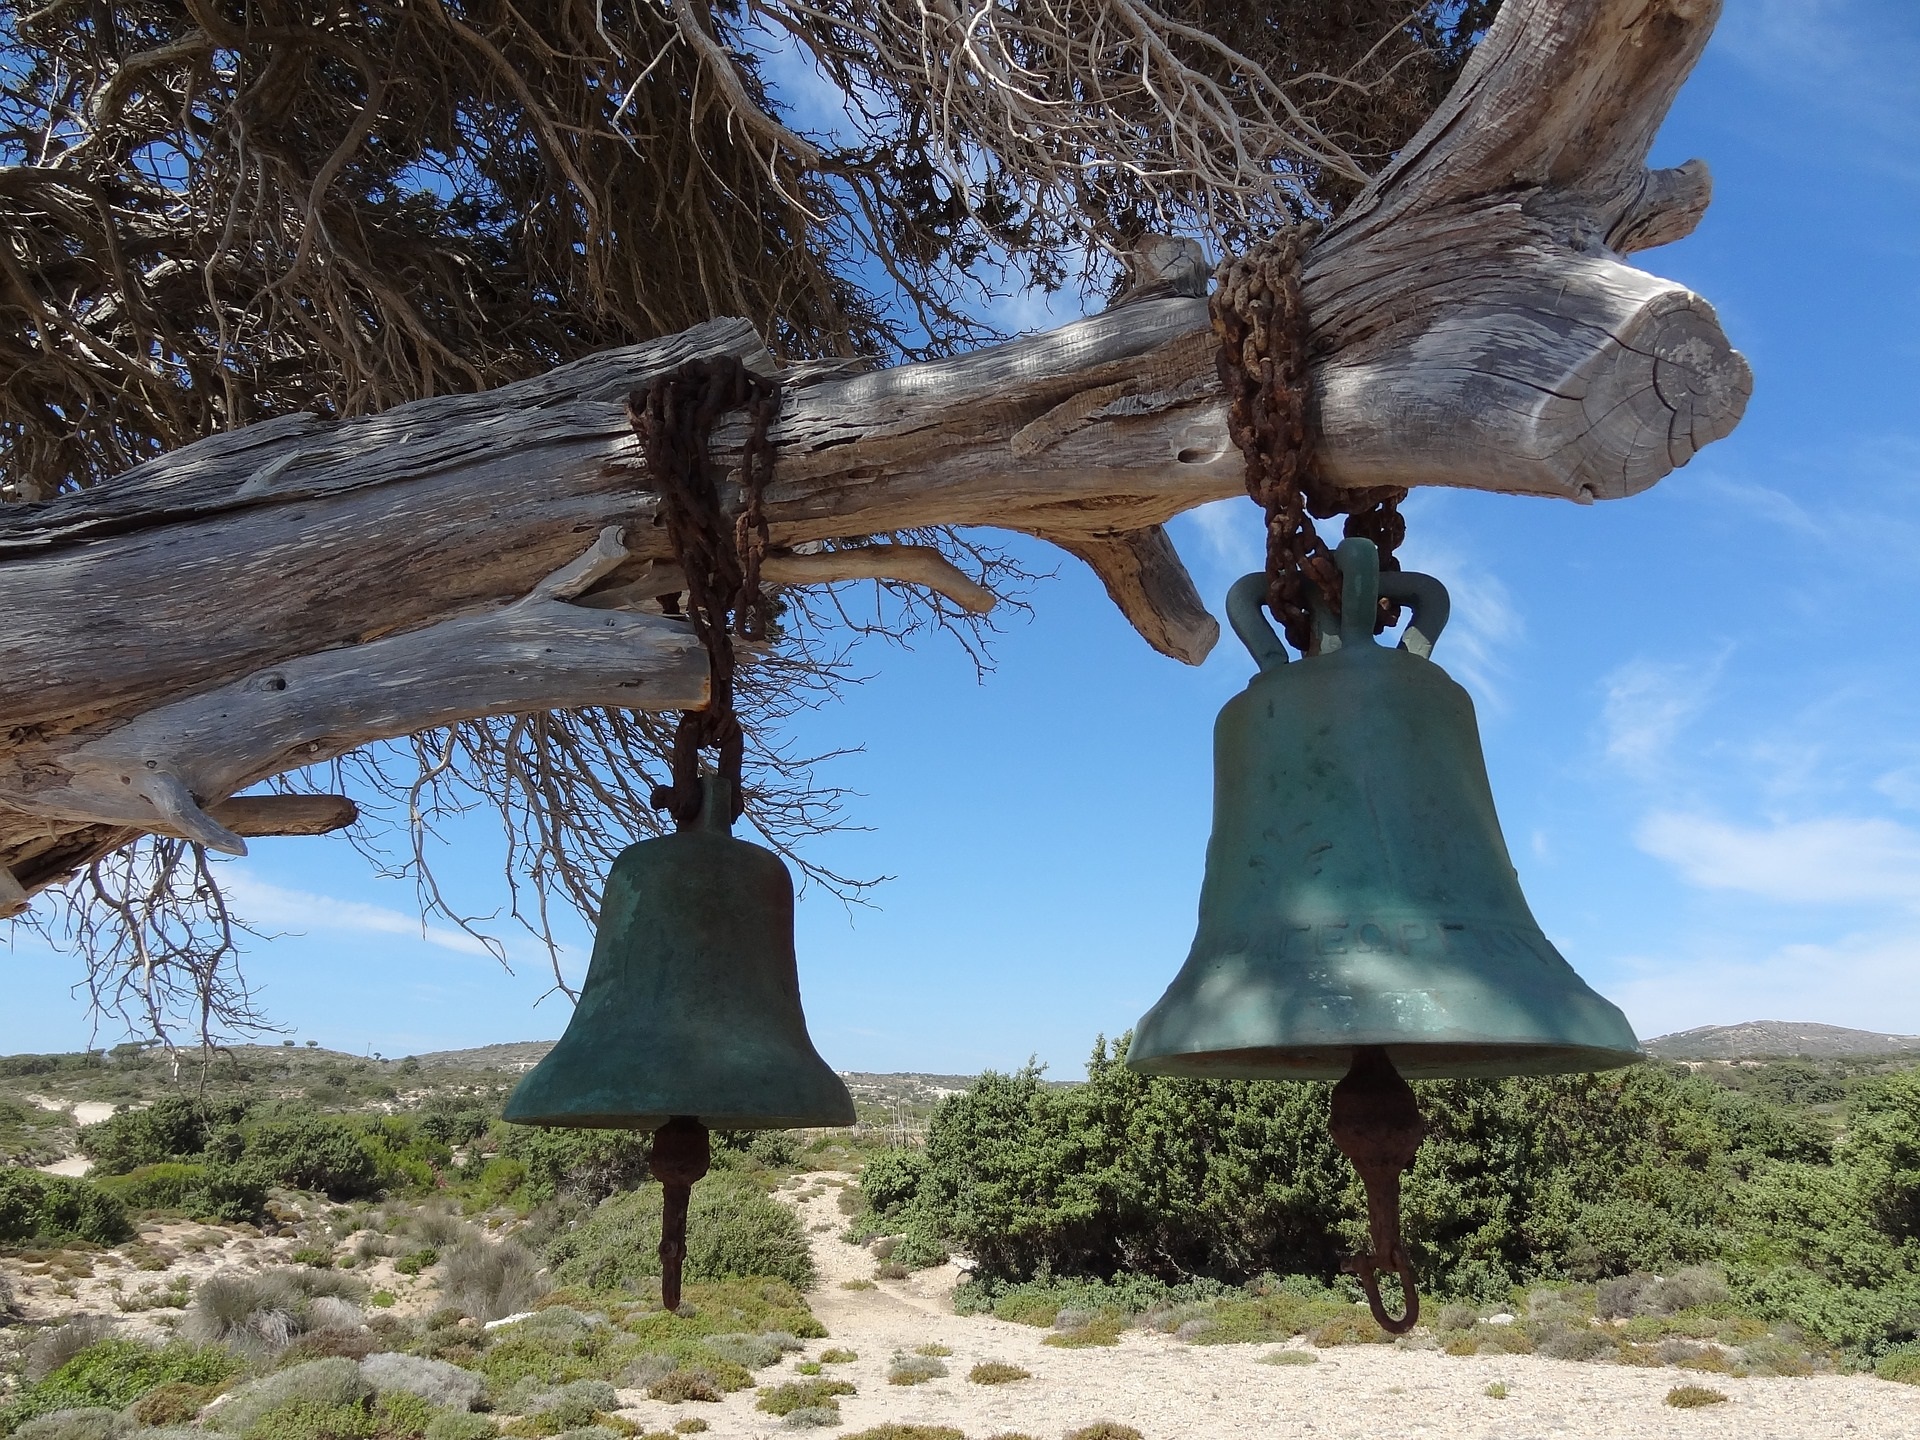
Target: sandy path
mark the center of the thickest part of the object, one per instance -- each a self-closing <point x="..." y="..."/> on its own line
<point x="1171" y="1391"/>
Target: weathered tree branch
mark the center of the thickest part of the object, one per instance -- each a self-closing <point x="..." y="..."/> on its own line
<point x="270" y="597"/>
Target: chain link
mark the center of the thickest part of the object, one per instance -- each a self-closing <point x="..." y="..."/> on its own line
<point x="674" y="417"/>
<point x="1261" y="322"/>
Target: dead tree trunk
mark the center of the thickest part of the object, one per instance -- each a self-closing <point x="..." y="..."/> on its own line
<point x="276" y="596"/>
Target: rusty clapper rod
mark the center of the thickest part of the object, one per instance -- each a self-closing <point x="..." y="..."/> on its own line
<point x="1376" y="1123"/>
<point x="681" y="1154"/>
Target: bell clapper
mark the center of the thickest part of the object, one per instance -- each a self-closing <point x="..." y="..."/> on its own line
<point x="681" y="1155"/>
<point x="1376" y="1123"/>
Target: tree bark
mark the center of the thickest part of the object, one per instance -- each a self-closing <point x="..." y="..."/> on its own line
<point x="282" y="594"/>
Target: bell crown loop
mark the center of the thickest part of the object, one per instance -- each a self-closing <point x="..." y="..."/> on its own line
<point x="1362" y="584"/>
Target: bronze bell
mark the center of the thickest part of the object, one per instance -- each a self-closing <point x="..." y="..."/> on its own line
<point x="690" y="1016"/>
<point x="1358" y="892"/>
<point x="691" y="1004"/>
<point x="1360" y="919"/>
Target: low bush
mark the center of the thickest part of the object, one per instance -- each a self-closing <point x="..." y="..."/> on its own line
<point x="1099" y="1328"/>
<point x="585" y="1165"/>
<point x="202" y="1192"/>
<point x="174" y="1403"/>
<point x="914" y="1369"/>
<point x="683" y="1385"/>
<point x="1902" y="1365"/>
<point x="997" y="1372"/>
<point x="455" y="1426"/>
<point x="1560" y="1340"/>
<point x="92" y="1423"/>
<point x="803" y="1394"/>
<point x="734" y="1230"/>
<point x="755" y="1352"/>
<point x="114" y="1373"/>
<point x="908" y="1432"/>
<point x="835" y="1355"/>
<point x="1289" y="1357"/>
<point x="1104" y="1430"/>
<point x="316" y="1385"/>
<point x="444" y="1386"/>
<point x="172" y="1128"/>
<point x="51" y="1209"/>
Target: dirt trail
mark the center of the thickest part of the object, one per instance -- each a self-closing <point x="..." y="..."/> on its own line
<point x="1171" y="1391"/>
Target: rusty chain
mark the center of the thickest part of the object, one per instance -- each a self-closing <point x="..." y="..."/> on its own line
<point x="674" y="416"/>
<point x="1261" y="322"/>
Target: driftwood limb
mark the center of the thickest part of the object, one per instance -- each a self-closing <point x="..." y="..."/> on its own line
<point x="258" y="815"/>
<point x="284" y="593"/>
<point x="920" y="565"/>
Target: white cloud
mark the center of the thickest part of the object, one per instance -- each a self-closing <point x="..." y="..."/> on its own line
<point x="1866" y="981"/>
<point x="275" y="907"/>
<point x="1834" y="860"/>
<point x="1231" y="534"/>
<point x="1855" y="60"/>
<point x="1648" y="704"/>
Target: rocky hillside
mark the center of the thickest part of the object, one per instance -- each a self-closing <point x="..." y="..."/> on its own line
<point x="1766" y="1038"/>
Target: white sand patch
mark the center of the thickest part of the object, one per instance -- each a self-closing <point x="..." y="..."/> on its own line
<point x="75" y="1165"/>
<point x="92" y="1112"/>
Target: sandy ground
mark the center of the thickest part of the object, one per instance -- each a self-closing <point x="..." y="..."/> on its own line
<point x="1171" y="1391"/>
<point x="84" y="1112"/>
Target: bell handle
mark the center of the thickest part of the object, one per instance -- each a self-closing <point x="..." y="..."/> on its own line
<point x="1246" y="612"/>
<point x="716" y="804"/>
<point x="1427" y="598"/>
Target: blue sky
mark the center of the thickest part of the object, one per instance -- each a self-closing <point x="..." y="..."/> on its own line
<point x="1699" y="705"/>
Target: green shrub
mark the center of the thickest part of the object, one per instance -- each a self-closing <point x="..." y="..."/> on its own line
<point x="204" y="1192"/>
<point x="683" y="1385"/>
<point x="316" y="1152"/>
<point x="796" y="1394"/>
<point x="174" y="1403"/>
<point x="298" y="1400"/>
<point x="914" y="1369"/>
<point x="908" y="1432"/>
<point x="733" y="1230"/>
<point x="835" y="1355"/>
<point x="1289" y="1357"/>
<point x="997" y="1372"/>
<point x="454" y="1426"/>
<point x="173" y="1128"/>
<point x="1104" y="1430"/>
<point x="419" y="1260"/>
<point x="88" y="1424"/>
<point x="586" y="1165"/>
<point x="891" y="1180"/>
<point x="166" y="1185"/>
<point x="49" y="1209"/>
<point x="1901" y="1365"/>
<point x="115" y="1373"/>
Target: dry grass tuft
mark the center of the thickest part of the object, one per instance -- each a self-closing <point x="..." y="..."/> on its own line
<point x="1692" y="1397"/>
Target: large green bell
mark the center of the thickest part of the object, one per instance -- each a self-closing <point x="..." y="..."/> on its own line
<point x="1358" y="893"/>
<point x="691" y="1006"/>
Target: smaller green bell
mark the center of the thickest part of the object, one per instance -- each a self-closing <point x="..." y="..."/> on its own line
<point x="690" y="1015"/>
<point x="691" y="1005"/>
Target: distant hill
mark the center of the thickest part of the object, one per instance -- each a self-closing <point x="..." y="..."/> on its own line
<point x="1758" y="1038"/>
